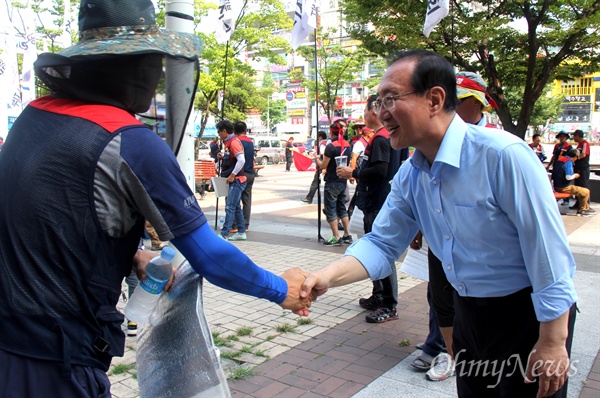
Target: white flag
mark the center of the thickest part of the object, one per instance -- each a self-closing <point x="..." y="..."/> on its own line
<point x="29" y="57"/>
<point x="226" y="22"/>
<point x="305" y="21"/>
<point x="436" y="11"/>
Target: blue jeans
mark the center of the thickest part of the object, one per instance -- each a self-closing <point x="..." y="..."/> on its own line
<point x="233" y="208"/>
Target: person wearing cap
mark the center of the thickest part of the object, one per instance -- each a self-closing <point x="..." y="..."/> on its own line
<point x="474" y="99"/>
<point x="83" y="176"/>
<point x="334" y="196"/>
<point x="562" y="180"/>
<point x="582" y="164"/>
<point x="511" y="303"/>
<point x="560" y="149"/>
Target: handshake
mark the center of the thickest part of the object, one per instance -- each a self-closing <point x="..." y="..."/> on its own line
<point x="302" y="291"/>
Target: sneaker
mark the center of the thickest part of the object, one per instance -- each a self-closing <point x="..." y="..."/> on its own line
<point x="346" y="239"/>
<point x="381" y="315"/>
<point x="584" y="213"/>
<point x="238" y="236"/>
<point x="333" y="242"/>
<point x="442" y="367"/>
<point x="370" y="303"/>
<point x="223" y="237"/>
<point x="131" y="328"/>
<point x="306" y="201"/>
<point x="591" y="211"/>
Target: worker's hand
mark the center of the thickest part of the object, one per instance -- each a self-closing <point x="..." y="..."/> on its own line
<point x="231" y="178"/>
<point x="141" y="260"/>
<point x="344" y="171"/>
<point x="294" y="278"/>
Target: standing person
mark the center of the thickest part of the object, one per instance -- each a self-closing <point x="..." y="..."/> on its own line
<point x="289" y="156"/>
<point x="214" y="148"/>
<point x="536" y="146"/>
<point x="481" y="230"/>
<point x="321" y="144"/>
<point x="377" y="168"/>
<point x="86" y="173"/>
<point x="582" y="165"/>
<point x="240" y="130"/>
<point x="232" y="168"/>
<point x="335" y="187"/>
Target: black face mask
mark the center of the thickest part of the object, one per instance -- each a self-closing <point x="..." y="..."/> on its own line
<point x="124" y="81"/>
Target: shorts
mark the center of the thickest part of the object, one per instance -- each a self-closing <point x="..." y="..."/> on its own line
<point x="335" y="200"/>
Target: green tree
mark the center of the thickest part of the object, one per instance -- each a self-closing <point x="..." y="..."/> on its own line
<point x="559" y="39"/>
<point x="241" y="93"/>
<point x="336" y="66"/>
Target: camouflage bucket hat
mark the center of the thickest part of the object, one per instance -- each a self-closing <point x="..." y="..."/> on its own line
<point x="115" y="27"/>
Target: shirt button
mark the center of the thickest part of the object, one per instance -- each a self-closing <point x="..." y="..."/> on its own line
<point x="460" y="288"/>
<point x="434" y="182"/>
<point x="439" y="210"/>
<point x="447" y="237"/>
<point x="449" y="267"/>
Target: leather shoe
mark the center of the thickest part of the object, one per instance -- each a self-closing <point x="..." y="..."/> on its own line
<point x="306" y="200"/>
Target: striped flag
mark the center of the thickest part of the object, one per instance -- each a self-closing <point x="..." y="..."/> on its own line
<point x="226" y="22"/>
<point x="305" y="21"/>
<point x="436" y="11"/>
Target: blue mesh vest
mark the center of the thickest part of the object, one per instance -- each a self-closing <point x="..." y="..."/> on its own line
<point x="60" y="274"/>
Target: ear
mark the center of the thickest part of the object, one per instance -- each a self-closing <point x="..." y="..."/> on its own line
<point x="437" y="97"/>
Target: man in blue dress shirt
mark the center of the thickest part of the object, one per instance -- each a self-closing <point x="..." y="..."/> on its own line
<point x="483" y="200"/>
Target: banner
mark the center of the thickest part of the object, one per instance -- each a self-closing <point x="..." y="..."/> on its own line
<point x="305" y="21"/>
<point x="226" y="23"/>
<point x="436" y="11"/>
<point x="29" y="56"/>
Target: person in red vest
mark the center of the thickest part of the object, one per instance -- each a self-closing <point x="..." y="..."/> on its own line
<point x="582" y="164"/>
<point x="335" y="187"/>
<point x="560" y="149"/>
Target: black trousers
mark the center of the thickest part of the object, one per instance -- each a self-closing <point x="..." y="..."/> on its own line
<point x="247" y="198"/>
<point x="492" y="340"/>
<point x="385" y="290"/>
<point x="313" y="186"/>
<point x="442" y="292"/>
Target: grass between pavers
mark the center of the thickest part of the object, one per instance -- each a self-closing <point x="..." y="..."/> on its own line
<point x="123" y="368"/>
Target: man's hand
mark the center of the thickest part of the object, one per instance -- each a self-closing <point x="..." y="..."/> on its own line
<point x="315" y="285"/>
<point x="231" y="178"/>
<point x="417" y="242"/>
<point x="141" y="260"/>
<point x="550" y="365"/>
<point x="344" y="171"/>
<point x="294" y="278"/>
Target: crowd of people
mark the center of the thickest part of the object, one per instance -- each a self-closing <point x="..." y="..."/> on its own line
<point x="66" y="250"/>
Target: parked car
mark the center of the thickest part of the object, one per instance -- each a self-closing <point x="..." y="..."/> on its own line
<point x="299" y="146"/>
<point x="269" y="150"/>
<point x="203" y="151"/>
<point x="309" y="145"/>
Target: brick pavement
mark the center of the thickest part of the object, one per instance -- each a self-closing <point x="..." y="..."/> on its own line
<point x="334" y="356"/>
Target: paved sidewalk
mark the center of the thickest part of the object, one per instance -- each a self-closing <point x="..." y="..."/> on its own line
<point x="339" y="354"/>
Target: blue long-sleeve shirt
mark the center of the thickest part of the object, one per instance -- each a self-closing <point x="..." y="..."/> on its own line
<point x="487" y="209"/>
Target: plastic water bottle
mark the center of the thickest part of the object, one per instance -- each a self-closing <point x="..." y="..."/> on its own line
<point x="221" y="221"/>
<point x="144" y="298"/>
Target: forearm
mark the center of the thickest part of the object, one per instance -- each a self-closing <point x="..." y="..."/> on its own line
<point x="344" y="271"/>
<point x="555" y="332"/>
<point x="376" y="172"/>
<point x="239" y="165"/>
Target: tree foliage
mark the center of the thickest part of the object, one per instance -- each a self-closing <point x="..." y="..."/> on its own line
<point x="559" y="39"/>
<point x="222" y="65"/>
<point x="336" y="66"/>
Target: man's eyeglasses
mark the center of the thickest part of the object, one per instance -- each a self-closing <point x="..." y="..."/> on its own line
<point x="389" y="102"/>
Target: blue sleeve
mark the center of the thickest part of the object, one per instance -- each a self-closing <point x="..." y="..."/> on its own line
<point x="224" y="265"/>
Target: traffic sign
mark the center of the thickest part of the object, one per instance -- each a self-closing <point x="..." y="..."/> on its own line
<point x="289" y="96"/>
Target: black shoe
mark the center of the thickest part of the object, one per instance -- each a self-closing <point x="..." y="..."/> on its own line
<point x="370" y="303"/>
<point x="584" y="213"/>
<point x="306" y="201"/>
<point x="382" y="315"/>
<point x="590" y="210"/>
<point x="346" y="239"/>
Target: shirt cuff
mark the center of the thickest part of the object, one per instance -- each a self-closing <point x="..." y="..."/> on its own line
<point x="372" y="258"/>
<point x="555" y="299"/>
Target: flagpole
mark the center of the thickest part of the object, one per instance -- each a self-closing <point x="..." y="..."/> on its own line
<point x="222" y="118"/>
<point x="319" y="237"/>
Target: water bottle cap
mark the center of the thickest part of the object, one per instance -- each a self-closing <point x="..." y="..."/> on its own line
<point x="167" y="253"/>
